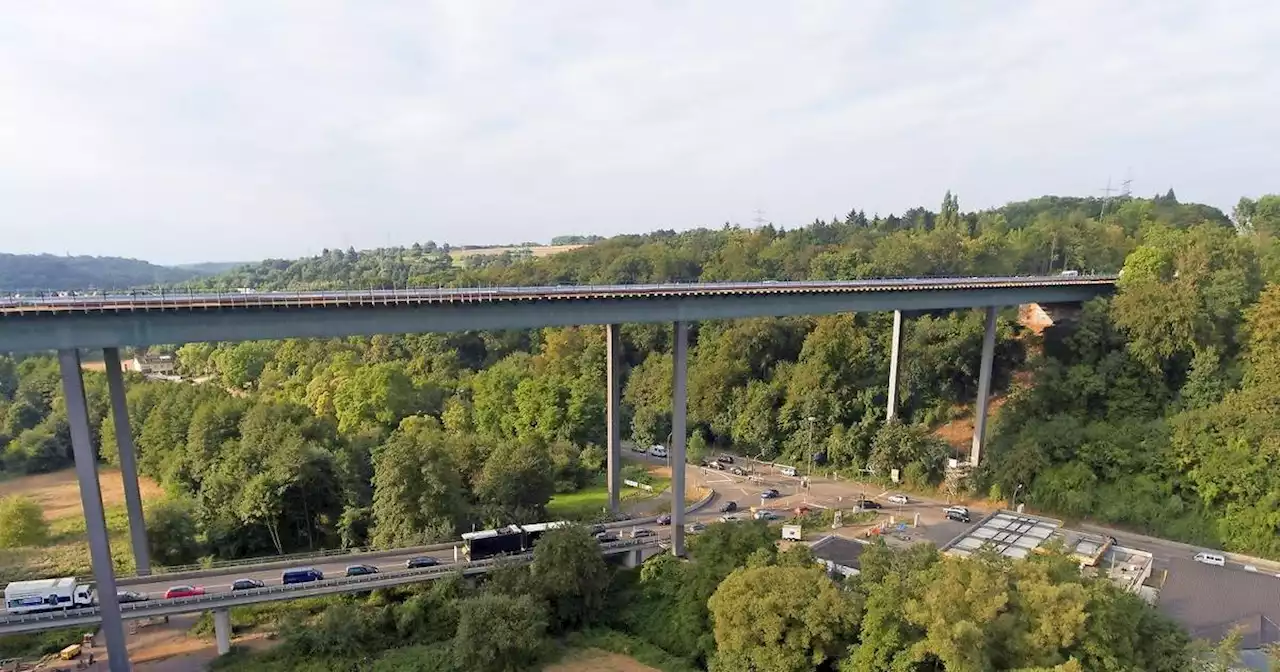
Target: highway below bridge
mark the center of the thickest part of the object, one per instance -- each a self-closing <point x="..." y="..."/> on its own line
<point x="69" y="323"/>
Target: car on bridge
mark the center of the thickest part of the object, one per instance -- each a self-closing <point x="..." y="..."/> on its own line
<point x="247" y="584"/>
<point x="128" y="596"/>
<point x="421" y="562"/>
<point x="301" y="575"/>
<point x="638" y="532"/>
<point x="361" y="570"/>
<point x="183" y="591"/>
<point x="605" y="536"/>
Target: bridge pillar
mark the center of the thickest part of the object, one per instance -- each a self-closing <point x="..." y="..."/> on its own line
<point x="632" y="559"/>
<point x="679" y="403"/>
<point x="128" y="462"/>
<point x="104" y="575"/>
<point x="222" y="630"/>
<point x="892" y="410"/>
<point x="984" y="387"/>
<point x="613" y="380"/>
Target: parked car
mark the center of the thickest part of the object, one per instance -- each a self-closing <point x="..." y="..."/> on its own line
<point x="738" y="471"/>
<point x="770" y="494"/>
<point x="957" y="509"/>
<point x="127" y="596"/>
<point x="1214" y="559"/>
<point x="729" y="518"/>
<point x="361" y="570"/>
<point x="715" y="464"/>
<point x="637" y="532"/>
<point x="765" y="514"/>
<point x="694" y="528"/>
<point x="867" y="504"/>
<point x="898" y="499"/>
<point x="183" y="591"/>
<point x="301" y="575"/>
<point x="958" y="516"/>
<point x="658" y="451"/>
<point x="726" y="458"/>
<point x="664" y="519"/>
<point x="247" y="584"/>
<point x="421" y="562"/>
<point x="728" y="506"/>
<point x="788" y="471"/>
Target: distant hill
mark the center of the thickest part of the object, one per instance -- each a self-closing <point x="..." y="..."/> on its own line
<point x="213" y="267"/>
<point x="47" y="271"/>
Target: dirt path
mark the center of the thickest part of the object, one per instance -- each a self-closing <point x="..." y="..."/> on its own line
<point x="58" y="493"/>
<point x="595" y="660"/>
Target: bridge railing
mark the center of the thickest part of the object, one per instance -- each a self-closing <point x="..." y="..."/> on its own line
<point x="325" y="586"/>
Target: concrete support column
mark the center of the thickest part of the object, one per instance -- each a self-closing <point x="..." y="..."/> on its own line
<point x="892" y="411"/>
<point x="679" y="403"/>
<point x="984" y="387"/>
<point x="128" y="462"/>
<point x="104" y="575"/>
<point x="222" y="630"/>
<point x="632" y="559"/>
<point x="613" y="401"/>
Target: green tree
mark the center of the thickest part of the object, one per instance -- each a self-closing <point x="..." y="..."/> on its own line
<point x="172" y="535"/>
<point x="569" y="570"/>
<point x="499" y="633"/>
<point x="780" y="619"/>
<point x="417" y="490"/>
<point x="21" y="522"/>
<point x="516" y="482"/>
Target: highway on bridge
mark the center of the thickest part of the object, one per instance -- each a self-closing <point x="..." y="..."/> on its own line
<point x="98" y="320"/>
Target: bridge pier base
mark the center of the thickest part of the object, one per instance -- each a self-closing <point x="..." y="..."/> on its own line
<point x="633" y="559"/>
<point x="613" y="397"/>
<point x="128" y="462"/>
<point x="892" y="410"/>
<point x="984" y="387"/>
<point x="95" y="523"/>
<point x="222" y="630"/>
<point x="679" y="404"/>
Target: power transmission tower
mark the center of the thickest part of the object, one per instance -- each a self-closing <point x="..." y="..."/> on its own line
<point x="759" y="219"/>
<point x="1106" y="198"/>
<point x="1126" y="187"/>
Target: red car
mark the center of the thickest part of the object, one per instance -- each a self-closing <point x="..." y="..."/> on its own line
<point x="183" y="591"/>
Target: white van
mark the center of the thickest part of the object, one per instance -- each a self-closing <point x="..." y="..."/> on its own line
<point x="658" y="451"/>
<point x="1211" y="559"/>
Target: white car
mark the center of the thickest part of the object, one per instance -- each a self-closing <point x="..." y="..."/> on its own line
<point x="729" y="518"/>
<point x="788" y="471"/>
<point x="898" y="499"/>
<point x="658" y="451"/>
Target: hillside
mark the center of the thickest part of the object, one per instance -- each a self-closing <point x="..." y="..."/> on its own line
<point x="26" y="272"/>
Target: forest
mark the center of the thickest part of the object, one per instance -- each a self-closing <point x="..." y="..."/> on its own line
<point x="741" y="604"/>
<point x="1147" y="411"/>
<point x="1155" y="409"/>
<point x="28" y="273"/>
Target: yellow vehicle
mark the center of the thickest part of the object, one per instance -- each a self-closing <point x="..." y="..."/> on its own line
<point x="69" y="653"/>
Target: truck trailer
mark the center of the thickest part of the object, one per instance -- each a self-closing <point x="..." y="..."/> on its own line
<point x="21" y="597"/>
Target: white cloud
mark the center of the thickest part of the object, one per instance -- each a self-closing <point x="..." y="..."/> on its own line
<point x="182" y="131"/>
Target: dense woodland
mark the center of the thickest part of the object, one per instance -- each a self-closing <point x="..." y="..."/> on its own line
<point x="27" y="273"/>
<point x="740" y="604"/>
<point x="1148" y="411"/>
<point x="1158" y="409"/>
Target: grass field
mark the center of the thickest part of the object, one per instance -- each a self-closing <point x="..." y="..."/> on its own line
<point x="67" y="551"/>
<point x="589" y="502"/>
<point x="537" y="250"/>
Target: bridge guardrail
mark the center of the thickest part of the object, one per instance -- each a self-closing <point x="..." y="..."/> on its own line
<point x="69" y="617"/>
<point x="191" y="572"/>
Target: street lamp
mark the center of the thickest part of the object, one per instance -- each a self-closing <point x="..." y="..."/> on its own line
<point x="811" y="421"/>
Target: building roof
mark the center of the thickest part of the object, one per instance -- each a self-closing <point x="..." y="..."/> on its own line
<point x="1210" y="601"/>
<point x="1014" y="535"/>
<point x="843" y="552"/>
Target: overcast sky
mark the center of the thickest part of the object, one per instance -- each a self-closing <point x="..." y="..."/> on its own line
<point x="236" y="130"/>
